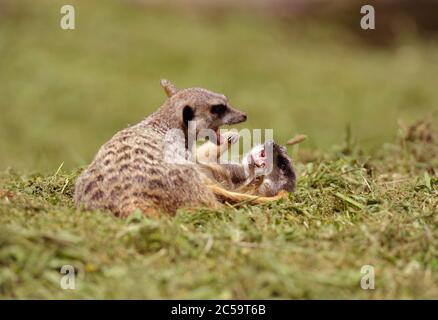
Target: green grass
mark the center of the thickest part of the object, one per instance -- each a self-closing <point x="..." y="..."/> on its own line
<point x="349" y="210"/>
<point x="370" y="201"/>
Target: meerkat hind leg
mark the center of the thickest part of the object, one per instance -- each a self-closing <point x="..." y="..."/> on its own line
<point x="236" y="197"/>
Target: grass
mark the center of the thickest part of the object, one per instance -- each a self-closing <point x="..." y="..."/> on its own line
<point x="349" y="210"/>
<point x="371" y="200"/>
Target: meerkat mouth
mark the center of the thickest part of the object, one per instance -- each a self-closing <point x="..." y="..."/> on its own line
<point x="259" y="159"/>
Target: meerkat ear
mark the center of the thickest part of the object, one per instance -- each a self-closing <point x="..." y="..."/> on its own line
<point x="168" y="87"/>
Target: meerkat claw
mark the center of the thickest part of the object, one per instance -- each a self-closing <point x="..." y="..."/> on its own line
<point x="229" y="137"/>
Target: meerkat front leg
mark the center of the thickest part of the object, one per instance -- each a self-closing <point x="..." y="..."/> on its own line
<point x="211" y="152"/>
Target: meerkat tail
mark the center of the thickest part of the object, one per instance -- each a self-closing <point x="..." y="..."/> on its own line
<point x="235" y="197"/>
<point x="297" y="139"/>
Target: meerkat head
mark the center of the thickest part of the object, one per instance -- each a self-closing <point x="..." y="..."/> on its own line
<point x="208" y="109"/>
<point x="272" y="162"/>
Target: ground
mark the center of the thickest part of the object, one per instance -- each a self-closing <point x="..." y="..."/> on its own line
<point x="367" y="183"/>
<point x="350" y="210"/>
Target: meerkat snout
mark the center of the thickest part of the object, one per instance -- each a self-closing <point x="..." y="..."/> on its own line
<point x="233" y="116"/>
<point x="225" y="114"/>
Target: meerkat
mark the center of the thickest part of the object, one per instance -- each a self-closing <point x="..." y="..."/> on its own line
<point x="256" y="180"/>
<point x="265" y="174"/>
<point x="130" y="171"/>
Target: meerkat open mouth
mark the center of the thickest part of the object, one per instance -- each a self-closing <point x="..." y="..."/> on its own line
<point x="219" y="138"/>
<point x="259" y="158"/>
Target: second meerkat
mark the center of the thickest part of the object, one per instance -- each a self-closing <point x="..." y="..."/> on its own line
<point x="265" y="174"/>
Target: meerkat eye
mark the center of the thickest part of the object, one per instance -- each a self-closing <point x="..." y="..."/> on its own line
<point x="218" y="109"/>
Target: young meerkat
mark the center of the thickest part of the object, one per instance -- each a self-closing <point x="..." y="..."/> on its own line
<point x="130" y="171"/>
<point x="265" y="174"/>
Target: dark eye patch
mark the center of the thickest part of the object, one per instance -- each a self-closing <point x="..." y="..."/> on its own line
<point x="188" y="114"/>
<point x="218" y="109"/>
<point x="282" y="162"/>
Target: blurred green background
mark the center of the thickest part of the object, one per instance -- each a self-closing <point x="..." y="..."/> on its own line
<point x="63" y="93"/>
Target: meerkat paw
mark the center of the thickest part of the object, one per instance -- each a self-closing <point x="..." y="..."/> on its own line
<point x="230" y="137"/>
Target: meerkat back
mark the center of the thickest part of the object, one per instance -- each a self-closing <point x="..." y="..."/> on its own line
<point x="130" y="171"/>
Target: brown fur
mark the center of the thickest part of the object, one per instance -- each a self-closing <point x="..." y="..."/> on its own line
<point x="230" y="182"/>
<point x="129" y="171"/>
